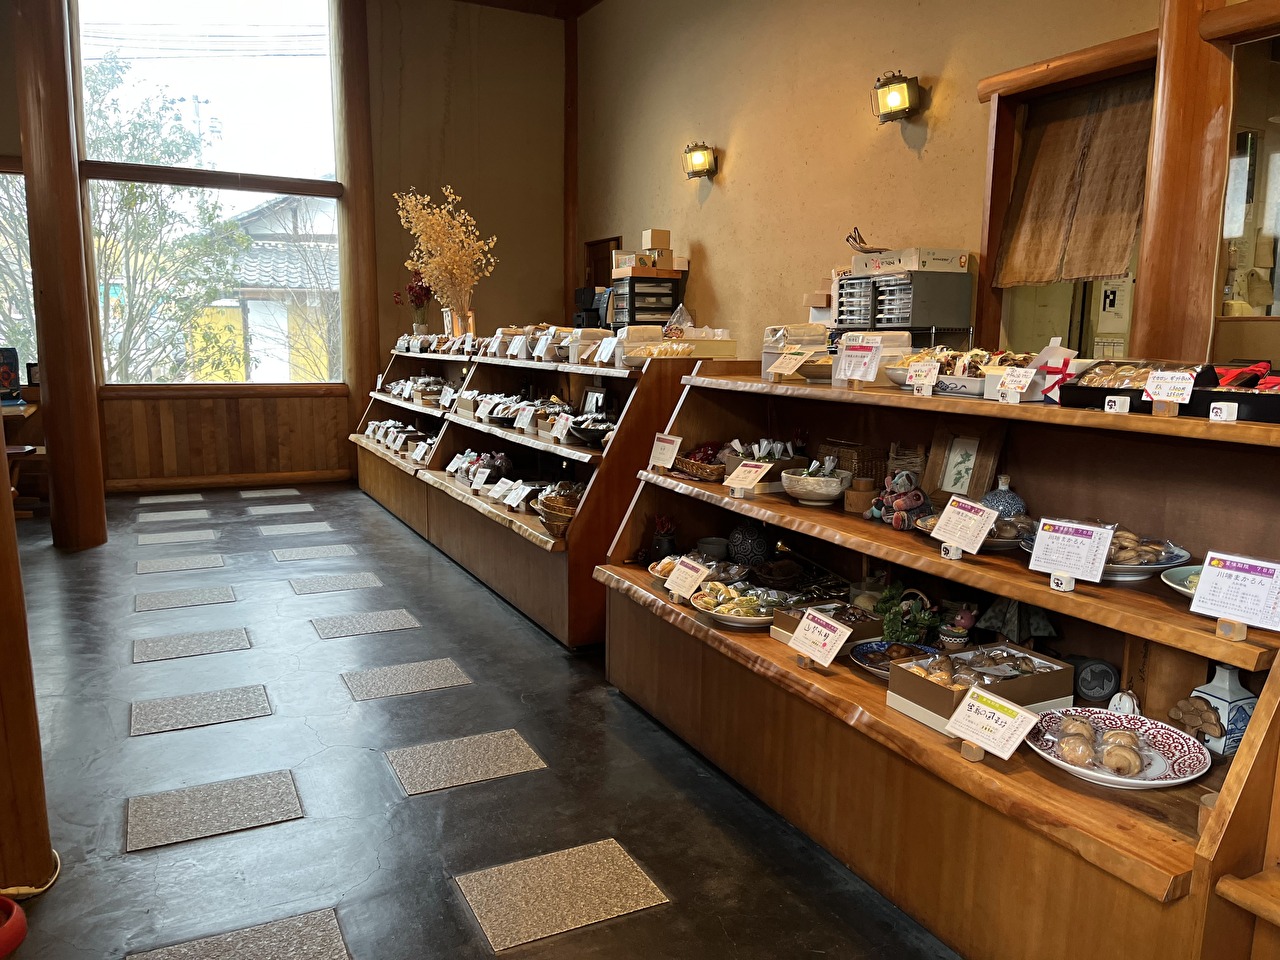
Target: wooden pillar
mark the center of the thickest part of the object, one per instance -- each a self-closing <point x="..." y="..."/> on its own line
<point x="1177" y="287"/>
<point x="68" y="380"/>
<point x="26" y="860"/>
<point x="354" y="148"/>
<point x="1002" y="167"/>
<point x="572" y="249"/>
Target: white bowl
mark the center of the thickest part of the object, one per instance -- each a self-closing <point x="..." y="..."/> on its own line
<point x="816" y="491"/>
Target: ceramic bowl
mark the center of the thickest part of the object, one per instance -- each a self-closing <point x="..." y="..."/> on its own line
<point x="717" y="548"/>
<point x="816" y="491"/>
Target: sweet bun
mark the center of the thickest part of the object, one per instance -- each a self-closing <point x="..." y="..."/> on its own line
<point x="1074" y="726"/>
<point x="1076" y="750"/>
<point x="1121" y="738"/>
<point x="1121" y="760"/>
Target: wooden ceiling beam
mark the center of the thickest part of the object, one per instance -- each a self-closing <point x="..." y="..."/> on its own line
<point x="558" y="9"/>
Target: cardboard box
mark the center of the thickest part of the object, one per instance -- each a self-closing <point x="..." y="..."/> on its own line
<point x="465" y="407"/>
<point x="681" y="264"/>
<point x="817" y="299"/>
<point x="933" y="704"/>
<point x="655" y="239"/>
<point x="649" y="273"/>
<point x="913" y="258"/>
<point x="787" y="621"/>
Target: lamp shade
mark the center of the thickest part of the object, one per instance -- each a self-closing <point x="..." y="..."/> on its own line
<point x="895" y="96"/>
<point x="699" y="161"/>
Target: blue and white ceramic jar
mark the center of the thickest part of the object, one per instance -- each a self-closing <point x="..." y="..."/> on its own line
<point x="1004" y="500"/>
<point x="1234" y="703"/>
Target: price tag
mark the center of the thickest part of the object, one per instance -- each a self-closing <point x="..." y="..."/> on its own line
<point x="859" y="361"/>
<point x="501" y="489"/>
<point x="1240" y="589"/>
<point x="542" y="346"/>
<point x="586" y="353"/>
<point x="923" y="371"/>
<point x="381" y="433"/>
<point x="664" y="450"/>
<point x="420" y="452"/>
<point x="1169" y="385"/>
<point x="516" y="347"/>
<point x="485" y="405"/>
<point x="992" y="722"/>
<point x="446" y="396"/>
<point x="495" y="345"/>
<point x="790" y="361"/>
<point x="399" y="442"/>
<point x="686" y="577"/>
<point x="516" y="496"/>
<point x="965" y="524"/>
<point x="606" y="348"/>
<point x="477" y="482"/>
<point x="372" y="428"/>
<point x="524" y="418"/>
<point x="1017" y="378"/>
<point x="467" y="341"/>
<point x="455" y="463"/>
<point x="747" y="475"/>
<point x="1078" y="549"/>
<point x="561" y="430"/>
<point x="819" y="638"/>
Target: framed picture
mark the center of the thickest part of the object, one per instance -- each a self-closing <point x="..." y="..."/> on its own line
<point x="10" y="375"/>
<point x="593" y="400"/>
<point x="962" y="459"/>
<point x="33" y="374"/>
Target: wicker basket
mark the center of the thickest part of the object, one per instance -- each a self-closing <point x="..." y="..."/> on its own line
<point x="913" y="460"/>
<point x="549" y="511"/>
<point x="557" y="504"/>
<point x="857" y="458"/>
<point x="703" y="471"/>
<point x="556" y="528"/>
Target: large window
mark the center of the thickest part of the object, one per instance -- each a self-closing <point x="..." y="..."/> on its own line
<point x="17" y="310"/>
<point x="198" y="282"/>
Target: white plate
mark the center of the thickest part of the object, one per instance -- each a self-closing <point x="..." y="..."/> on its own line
<point x="1173" y="757"/>
<point x="1130" y="572"/>
<point x="730" y="620"/>
<point x="1177" y="578"/>
<point x="946" y="386"/>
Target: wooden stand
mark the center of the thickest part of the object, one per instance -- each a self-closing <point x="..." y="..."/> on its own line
<point x="1165" y="408"/>
<point x="972" y="752"/>
<point x="1231" y="629"/>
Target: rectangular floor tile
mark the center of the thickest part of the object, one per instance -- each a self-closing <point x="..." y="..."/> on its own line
<point x="190" y="645"/>
<point x="404" y="678"/>
<point x="168" y="599"/>
<point x="332" y="584"/>
<point x="358" y="624"/>
<point x="311" y="936"/>
<point x="536" y="898"/>
<point x="172" y="498"/>
<point x="198" y="709"/>
<point x="179" y="536"/>
<point x="276" y="492"/>
<point x="314" y="553"/>
<point x="451" y="763"/>
<point x="284" y="529"/>
<point x="210" y="809"/>
<point x="202" y="561"/>
<point x="152" y="516"/>
<point x="269" y="509"/>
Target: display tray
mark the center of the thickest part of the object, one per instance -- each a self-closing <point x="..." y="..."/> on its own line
<point x="1131" y="572"/>
<point x="1258" y="406"/>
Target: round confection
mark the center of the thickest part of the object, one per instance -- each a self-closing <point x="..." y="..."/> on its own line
<point x="1074" y="726"/>
<point x="1121" y="738"/>
<point x="1121" y="760"/>
<point x="1076" y="750"/>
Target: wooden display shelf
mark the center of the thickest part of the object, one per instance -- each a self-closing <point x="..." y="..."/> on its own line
<point x="1145" y="838"/>
<point x="1148" y="609"/>
<point x="1259" y="894"/>
<point x="407" y="404"/>
<point x="581" y="454"/>
<point x="585" y="369"/>
<point x="456" y="357"/>
<point x="400" y="461"/>
<point x="1252" y="434"/>
<point x="526" y="525"/>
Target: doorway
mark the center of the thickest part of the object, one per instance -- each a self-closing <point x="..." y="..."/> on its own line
<point x="599" y="262"/>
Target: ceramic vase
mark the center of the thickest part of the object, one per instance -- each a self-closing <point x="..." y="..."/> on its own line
<point x="1004" y="500"/>
<point x="1234" y="703"/>
<point x="748" y="545"/>
<point x="663" y="546"/>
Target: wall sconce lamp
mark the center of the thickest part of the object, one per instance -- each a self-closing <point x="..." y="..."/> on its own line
<point x="699" y="161"/>
<point x="895" y="96"/>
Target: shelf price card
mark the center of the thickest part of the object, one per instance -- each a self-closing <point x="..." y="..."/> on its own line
<point x="420" y="452"/>
<point x="858" y="360"/>
<point x="516" y="495"/>
<point x="965" y="524"/>
<point x="747" y="475"/>
<point x="686" y="577"/>
<point x="542" y="346"/>
<point x="991" y="722"/>
<point x="524" y="418"/>
<point x="501" y="489"/>
<point x="664" y="451"/>
<point x="819" y="638"/>
<point x="1240" y="589"/>
<point x="516" y="347"/>
<point x="477" y="482"/>
<point x="1174" y="385"/>
<point x="1065" y="546"/>
<point x="561" y="430"/>
<point x="791" y="361"/>
<point x="606" y="348"/>
<point x="923" y="372"/>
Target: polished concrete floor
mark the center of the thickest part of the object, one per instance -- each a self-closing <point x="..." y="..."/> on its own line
<point x="738" y="881"/>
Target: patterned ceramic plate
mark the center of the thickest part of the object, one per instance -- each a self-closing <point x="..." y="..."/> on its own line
<point x="1131" y="572"/>
<point x="1173" y="757"/>
<point x="732" y="620"/>
<point x="860" y="652"/>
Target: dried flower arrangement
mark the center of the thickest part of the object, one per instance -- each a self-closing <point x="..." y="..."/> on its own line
<point x="448" y="253"/>
<point x="415" y="291"/>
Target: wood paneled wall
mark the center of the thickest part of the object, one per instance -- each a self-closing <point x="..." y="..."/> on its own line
<point x="177" y="436"/>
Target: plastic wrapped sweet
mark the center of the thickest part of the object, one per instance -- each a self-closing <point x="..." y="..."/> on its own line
<point x="1120" y="760"/>
<point x="1076" y="750"/>
<point x="1129" y="374"/>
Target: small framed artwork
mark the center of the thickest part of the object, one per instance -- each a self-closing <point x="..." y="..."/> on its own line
<point x="593" y="400"/>
<point x="33" y="374"/>
<point x="10" y="377"/>
<point x="962" y="460"/>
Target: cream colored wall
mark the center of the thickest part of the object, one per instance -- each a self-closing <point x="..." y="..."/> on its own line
<point x="472" y="97"/>
<point x="10" y="145"/>
<point x="783" y="90"/>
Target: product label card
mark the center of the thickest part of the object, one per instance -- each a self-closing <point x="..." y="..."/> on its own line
<point x="992" y="722"/>
<point x="747" y="475"/>
<point x="605" y="351"/>
<point x="501" y="489"/>
<point x="1065" y="546"/>
<point x="819" y="638"/>
<point x="664" y="450"/>
<point x="420" y="452"/>
<point x="859" y="361"/>
<point x="467" y="341"/>
<point x="524" y="418"/>
<point x="381" y="433"/>
<point x="455" y="463"/>
<point x="561" y="430"/>
<point x="495" y="345"/>
<point x="372" y="428"/>
<point x="1240" y="589"/>
<point x="923" y="371"/>
<point x="477" y="482"/>
<point x="1169" y="385"/>
<point x="686" y="577"/>
<point x="516" y="347"/>
<point x="542" y="346"/>
<point x="398" y="443"/>
<point x="964" y="523"/>
<point x="791" y="361"/>
<point x="1017" y="378"/>
<point x="517" y="494"/>
<point x="484" y="406"/>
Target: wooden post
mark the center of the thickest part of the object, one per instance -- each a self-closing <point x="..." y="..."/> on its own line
<point x="26" y="858"/>
<point x="572" y="253"/>
<point x="1177" y="290"/>
<point x="1002" y="167"/>
<point x="68" y="381"/>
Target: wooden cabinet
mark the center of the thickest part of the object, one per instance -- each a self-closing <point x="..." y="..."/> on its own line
<point x="890" y="797"/>
<point x="547" y="578"/>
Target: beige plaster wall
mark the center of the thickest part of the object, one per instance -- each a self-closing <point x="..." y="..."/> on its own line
<point x="783" y="90"/>
<point x="10" y="145"/>
<point x="472" y="97"/>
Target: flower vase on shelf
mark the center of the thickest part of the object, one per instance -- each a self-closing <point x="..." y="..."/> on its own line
<point x="420" y="321"/>
<point x="1234" y="703"/>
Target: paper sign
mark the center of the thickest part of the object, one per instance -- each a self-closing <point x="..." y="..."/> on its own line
<point x="1017" y="378"/>
<point x="965" y="524"/>
<point x="495" y="345"/>
<point x="542" y="346"/>
<point x="467" y="341"/>
<point x="561" y="430"/>
<point x="1240" y="589"/>
<point x="686" y="577"/>
<point x="791" y="361"/>
<point x="517" y="345"/>
<point x="501" y="489"/>
<point x="399" y="442"/>
<point x="371" y="429"/>
<point x="524" y="418"/>
<point x="420" y="452"/>
<point x="664" y="450"/>
<point x="485" y="405"/>
<point x="1078" y="549"/>
<point x="923" y="371"/>
<point x="747" y="475"/>
<point x="1169" y="385"/>
<point x="859" y="361"/>
<point x="517" y="494"/>
<point x="606" y="348"/>
<point x="819" y="638"/>
<point x="446" y="396"/>
<point x="455" y="463"/>
<point x="992" y="722"/>
<point x="381" y="433"/>
<point x="477" y="482"/>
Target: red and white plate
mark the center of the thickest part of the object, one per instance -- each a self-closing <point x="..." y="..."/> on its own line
<point x="1172" y="756"/>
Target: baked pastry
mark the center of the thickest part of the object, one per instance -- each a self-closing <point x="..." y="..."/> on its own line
<point x="1121" y="738"/>
<point x="1121" y="760"/>
<point x="1075" y="727"/>
<point x="1076" y="750"/>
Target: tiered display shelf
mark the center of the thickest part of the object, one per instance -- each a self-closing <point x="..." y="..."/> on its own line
<point x="1000" y="859"/>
